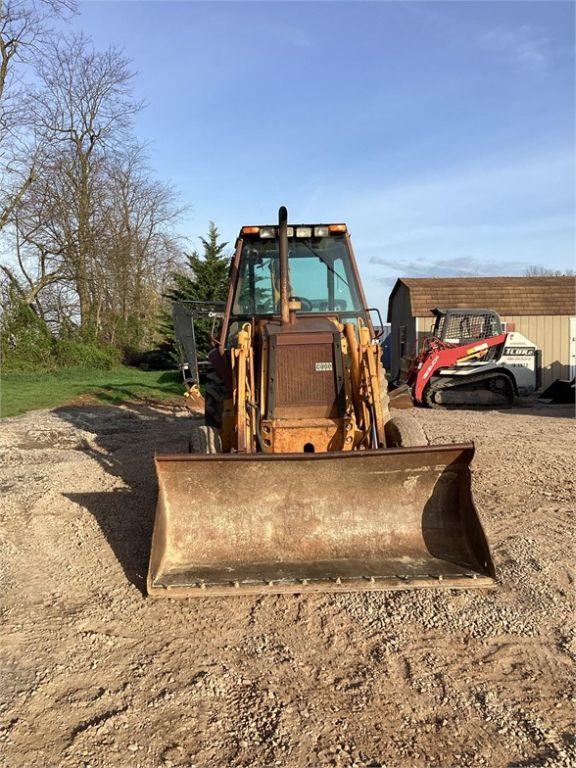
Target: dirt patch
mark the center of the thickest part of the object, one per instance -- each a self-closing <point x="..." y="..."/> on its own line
<point x="94" y="674"/>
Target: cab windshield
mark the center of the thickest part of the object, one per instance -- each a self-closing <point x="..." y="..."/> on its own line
<point x="321" y="277"/>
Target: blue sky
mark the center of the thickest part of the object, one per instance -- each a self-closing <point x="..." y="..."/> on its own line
<point x="441" y="132"/>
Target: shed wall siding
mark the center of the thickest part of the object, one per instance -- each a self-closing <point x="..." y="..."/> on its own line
<point x="550" y="333"/>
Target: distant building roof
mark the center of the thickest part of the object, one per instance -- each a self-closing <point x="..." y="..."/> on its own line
<point x="506" y="295"/>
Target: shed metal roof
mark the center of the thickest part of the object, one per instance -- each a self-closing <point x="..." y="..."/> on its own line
<point x="506" y="295"/>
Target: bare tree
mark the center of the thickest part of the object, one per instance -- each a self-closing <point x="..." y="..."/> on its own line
<point x="537" y="271"/>
<point x="31" y="282"/>
<point x="85" y="104"/>
<point x="24" y="32"/>
<point x="93" y="237"/>
<point x="133" y="245"/>
<point x="143" y="248"/>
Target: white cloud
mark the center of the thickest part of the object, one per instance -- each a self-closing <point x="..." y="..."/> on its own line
<point x="494" y="217"/>
<point x="457" y="266"/>
<point x="527" y="194"/>
<point x="521" y="45"/>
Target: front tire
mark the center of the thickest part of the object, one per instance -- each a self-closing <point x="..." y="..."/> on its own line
<point x="205" y="440"/>
<point x="403" y="431"/>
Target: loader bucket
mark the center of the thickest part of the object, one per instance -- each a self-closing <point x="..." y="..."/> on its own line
<point x="369" y="520"/>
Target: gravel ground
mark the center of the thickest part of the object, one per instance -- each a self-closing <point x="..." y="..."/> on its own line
<point x="94" y="674"/>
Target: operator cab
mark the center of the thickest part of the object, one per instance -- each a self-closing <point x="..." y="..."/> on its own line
<point x="461" y="326"/>
<point x="323" y="278"/>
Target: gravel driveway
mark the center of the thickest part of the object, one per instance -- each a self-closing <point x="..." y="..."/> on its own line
<point x="94" y="674"/>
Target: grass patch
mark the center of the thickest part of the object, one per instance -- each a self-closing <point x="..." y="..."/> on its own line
<point x="21" y="392"/>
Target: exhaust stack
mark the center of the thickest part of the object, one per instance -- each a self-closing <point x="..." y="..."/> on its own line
<point x="284" y="276"/>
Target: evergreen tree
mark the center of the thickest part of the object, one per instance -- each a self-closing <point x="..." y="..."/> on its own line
<point x="206" y="279"/>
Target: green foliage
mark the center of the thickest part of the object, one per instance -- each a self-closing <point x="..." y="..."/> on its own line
<point x="71" y="354"/>
<point x="21" y="392"/>
<point x="62" y="353"/>
<point x="24" y="336"/>
<point x="28" y="345"/>
<point x="205" y="280"/>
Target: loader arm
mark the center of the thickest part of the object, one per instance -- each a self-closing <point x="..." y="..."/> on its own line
<point x="366" y="385"/>
<point x="242" y="357"/>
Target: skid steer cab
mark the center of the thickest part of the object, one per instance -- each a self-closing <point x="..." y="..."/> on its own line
<point x="472" y="359"/>
<point x="301" y="477"/>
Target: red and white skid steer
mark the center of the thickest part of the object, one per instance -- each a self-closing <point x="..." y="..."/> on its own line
<point x="471" y="359"/>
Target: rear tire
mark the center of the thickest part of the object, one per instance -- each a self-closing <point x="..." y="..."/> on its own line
<point x="215" y="393"/>
<point x="205" y="440"/>
<point x="403" y="431"/>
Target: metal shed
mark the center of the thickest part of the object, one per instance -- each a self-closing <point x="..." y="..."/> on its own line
<point x="541" y="308"/>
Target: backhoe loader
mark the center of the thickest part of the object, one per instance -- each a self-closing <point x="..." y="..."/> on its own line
<point x="301" y="479"/>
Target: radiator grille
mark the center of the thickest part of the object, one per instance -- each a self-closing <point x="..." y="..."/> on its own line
<point x="297" y="380"/>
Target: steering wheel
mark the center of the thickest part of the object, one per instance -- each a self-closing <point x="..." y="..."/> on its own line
<point x="306" y="304"/>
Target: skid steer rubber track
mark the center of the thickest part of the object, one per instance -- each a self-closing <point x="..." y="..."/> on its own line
<point x="396" y="518"/>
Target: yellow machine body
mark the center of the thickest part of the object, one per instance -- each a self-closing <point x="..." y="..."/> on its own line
<point x="305" y="480"/>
